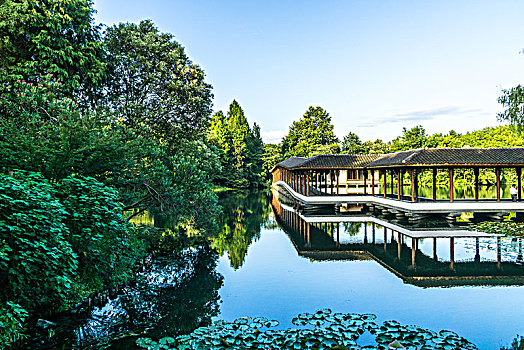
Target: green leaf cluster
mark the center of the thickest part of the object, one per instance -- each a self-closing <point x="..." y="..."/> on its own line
<point x="240" y="148"/>
<point x="311" y="135"/>
<point x="93" y="126"/>
<point x="51" y="37"/>
<point x="61" y="241"/>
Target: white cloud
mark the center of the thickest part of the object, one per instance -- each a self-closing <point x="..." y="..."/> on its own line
<point x="272" y="136"/>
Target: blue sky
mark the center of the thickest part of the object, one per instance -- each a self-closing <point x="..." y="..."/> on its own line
<point x="375" y="66"/>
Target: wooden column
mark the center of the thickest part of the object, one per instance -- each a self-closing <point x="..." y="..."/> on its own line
<point x="392" y="181"/>
<point x="365" y="172"/>
<point x="413" y="251"/>
<point x="451" y="186"/>
<point x="373" y="182"/>
<point x="519" y="183"/>
<point x="497" y="174"/>
<point x="401" y="179"/>
<point x="434" y="184"/>
<point x="413" y="175"/>
<point x="435" y="257"/>
<point x="416" y="186"/>
<point x="452" y="253"/>
<point x="306" y="181"/>
<point x="373" y="232"/>
<point x="398" y="185"/>
<point x="330" y="176"/>
<point x="476" y="171"/>
<point x="365" y="234"/>
<point x="337" y="174"/>
<point x="385" y="183"/>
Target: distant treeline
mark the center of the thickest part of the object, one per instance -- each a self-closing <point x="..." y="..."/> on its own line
<point x="313" y="135"/>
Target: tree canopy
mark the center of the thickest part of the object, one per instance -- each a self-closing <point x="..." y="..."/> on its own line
<point x="51" y="37"/>
<point x="240" y="148"/>
<point x="153" y="82"/>
<point x="312" y="134"/>
<point x="513" y="100"/>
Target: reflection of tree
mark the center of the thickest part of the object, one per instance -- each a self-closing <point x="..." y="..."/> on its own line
<point x="177" y="294"/>
<point x="352" y="228"/>
<point x="244" y="213"/>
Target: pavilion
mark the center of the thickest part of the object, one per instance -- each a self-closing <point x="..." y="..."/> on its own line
<point x="367" y="174"/>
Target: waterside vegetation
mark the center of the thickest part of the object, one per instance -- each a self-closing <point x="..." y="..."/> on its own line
<point x="101" y="125"/>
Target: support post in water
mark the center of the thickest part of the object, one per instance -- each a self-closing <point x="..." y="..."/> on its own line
<point x="413" y="251"/>
<point x="435" y="257"/>
<point x="385" y="239"/>
<point x="399" y="246"/>
<point x="452" y="253"/>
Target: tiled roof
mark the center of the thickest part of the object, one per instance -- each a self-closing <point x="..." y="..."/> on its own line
<point x="339" y="161"/>
<point x="452" y="156"/>
<point x="292" y="162"/>
<point x="422" y="157"/>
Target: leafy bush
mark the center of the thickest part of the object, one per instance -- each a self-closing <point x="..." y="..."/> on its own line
<point x="37" y="264"/>
<point x="106" y="244"/>
<point x="12" y="317"/>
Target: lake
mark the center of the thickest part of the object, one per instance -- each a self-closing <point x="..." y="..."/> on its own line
<point x="262" y="265"/>
<point x="269" y="278"/>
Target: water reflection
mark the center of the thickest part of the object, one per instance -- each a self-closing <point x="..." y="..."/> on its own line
<point x="244" y="213"/>
<point x="422" y="256"/>
<point x="176" y="295"/>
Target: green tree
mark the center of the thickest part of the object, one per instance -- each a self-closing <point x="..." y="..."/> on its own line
<point x="152" y="81"/>
<point x="51" y="37"/>
<point x="306" y="135"/>
<point x="411" y="139"/>
<point x="352" y="144"/>
<point x="375" y="147"/>
<point x="272" y="156"/>
<point x="256" y="150"/>
<point x="513" y="101"/>
<point x="241" y="148"/>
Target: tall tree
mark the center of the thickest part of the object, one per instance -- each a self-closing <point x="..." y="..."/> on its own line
<point x="513" y="101"/>
<point x="352" y="144"/>
<point x="51" y="37"/>
<point x="152" y="81"/>
<point x="240" y="132"/>
<point x="410" y="139"/>
<point x="241" y="148"/>
<point x="308" y="134"/>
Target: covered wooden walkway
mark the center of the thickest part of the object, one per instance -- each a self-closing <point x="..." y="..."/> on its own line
<point x="384" y="175"/>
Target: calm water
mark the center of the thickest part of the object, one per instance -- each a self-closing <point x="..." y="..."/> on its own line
<point x="265" y="264"/>
<point x="270" y="278"/>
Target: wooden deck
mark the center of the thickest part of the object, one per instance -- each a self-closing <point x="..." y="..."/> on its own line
<point x="426" y="207"/>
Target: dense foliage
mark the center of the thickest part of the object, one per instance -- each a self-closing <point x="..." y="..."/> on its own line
<point x="51" y="37"/>
<point x="96" y="128"/>
<point x="311" y="135"/>
<point x="240" y="148"/>
<point x="153" y="82"/>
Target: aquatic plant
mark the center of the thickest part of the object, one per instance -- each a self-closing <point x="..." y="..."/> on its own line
<point x="507" y="228"/>
<point x="320" y="330"/>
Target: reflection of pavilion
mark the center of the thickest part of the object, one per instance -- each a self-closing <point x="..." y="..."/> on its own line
<point x="399" y="249"/>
